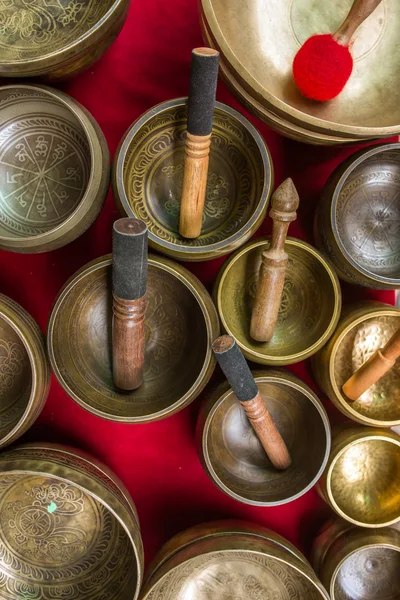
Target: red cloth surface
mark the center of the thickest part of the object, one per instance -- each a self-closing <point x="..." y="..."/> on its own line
<point x="158" y="462"/>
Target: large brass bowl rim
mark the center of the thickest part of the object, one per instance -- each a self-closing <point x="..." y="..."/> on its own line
<point x="303" y="389"/>
<point x="290" y="358"/>
<point x="258" y="214"/>
<point x="269" y="99"/>
<point x="185" y="277"/>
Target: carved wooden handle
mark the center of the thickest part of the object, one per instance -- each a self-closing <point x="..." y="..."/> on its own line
<point x="128" y="342"/>
<point x="359" y="12"/>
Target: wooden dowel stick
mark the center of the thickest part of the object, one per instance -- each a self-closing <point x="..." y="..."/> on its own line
<point x="359" y="12"/>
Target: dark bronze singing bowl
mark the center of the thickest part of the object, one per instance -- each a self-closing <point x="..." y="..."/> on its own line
<point x="56" y="38"/>
<point x="69" y="528"/>
<point x="181" y="323"/>
<point x="148" y="176"/>
<point x="54" y="169"/>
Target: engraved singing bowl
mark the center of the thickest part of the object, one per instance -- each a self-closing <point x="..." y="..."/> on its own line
<point x="148" y="176"/>
<point x="357" y="220"/>
<point x="362" y="480"/>
<point x="259" y="41"/>
<point x="233" y="457"/>
<point x="361" y="331"/>
<point x="55" y="39"/>
<point x="24" y="371"/>
<point x="69" y="528"/>
<point x="54" y="169"/>
<point x="180" y="324"/>
<point x="309" y="309"/>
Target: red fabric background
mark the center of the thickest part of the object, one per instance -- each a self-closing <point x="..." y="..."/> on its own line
<point x="158" y="462"/>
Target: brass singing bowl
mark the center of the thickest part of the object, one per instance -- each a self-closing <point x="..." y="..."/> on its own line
<point x="69" y="528"/>
<point x="361" y="331"/>
<point x="310" y="304"/>
<point x="180" y="324"/>
<point x="260" y="40"/>
<point x="54" y="169"/>
<point x="362" y="480"/>
<point x="148" y="176"/>
<point x="24" y="371"/>
<point x="56" y="39"/>
<point x="357" y="221"/>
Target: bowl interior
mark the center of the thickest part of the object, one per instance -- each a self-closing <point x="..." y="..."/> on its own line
<point x="238" y="459"/>
<point x="365" y="481"/>
<point x="176" y="346"/>
<point x="57" y="541"/>
<point x="45" y="162"/>
<point x="153" y="176"/>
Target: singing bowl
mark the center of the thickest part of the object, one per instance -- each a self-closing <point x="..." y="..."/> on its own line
<point x="24" y="371"/>
<point x="69" y="528"/>
<point x="180" y="325"/>
<point x="56" y="39"/>
<point x="362" y="479"/>
<point x="259" y="41"/>
<point x="54" y="169"/>
<point x="358" y="218"/>
<point x="148" y="176"/>
<point x="310" y="304"/>
<point x="361" y="330"/>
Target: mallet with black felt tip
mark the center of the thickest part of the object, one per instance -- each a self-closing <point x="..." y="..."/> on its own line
<point x="129" y="279"/>
<point x="238" y="374"/>
<point x="201" y="102"/>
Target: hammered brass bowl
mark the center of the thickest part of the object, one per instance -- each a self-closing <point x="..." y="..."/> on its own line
<point x="309" y="310"/>
<point x="24" y="371"/>
<point x="69" y="528"/>
<point x="358" y="219"/>
<point x="56" y="39"/>
<point x="54" y="169"/>
<point x="148" y="176"/>
<point x="362" y="480"/>
<point x="181" y="323"/>
<point x="362" y="329"/>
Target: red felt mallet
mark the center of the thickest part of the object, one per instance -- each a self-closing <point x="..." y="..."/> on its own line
<point x="323" y="65"/>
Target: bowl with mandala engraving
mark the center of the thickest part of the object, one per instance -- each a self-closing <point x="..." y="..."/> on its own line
<point x="310" y="304"/>
<point x="56" y="38"/>
<point x="233" y="457"/>
<point x="148" y="177"/>
<point x="54" y="166"/>
<point x="180" y="324"/>
<point x="358" y="218"/>
<point x="69" y="528"/>
<point x="24" y="371"/>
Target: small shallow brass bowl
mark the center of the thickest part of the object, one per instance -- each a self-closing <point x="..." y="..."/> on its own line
<point x="233" y="457"/>
<point x="362" y="480"/>
<point x="180" y="324"/>
<point x="357" y="221"/>
<point x="56" y="39"/>
<point x="309" y="310"/>
<point x="148" y="176"/>
<point x="54" y="169"/>
<point x="24" y="371"/>
<point x="361" y="331"/>
<point x="69" y="528"/>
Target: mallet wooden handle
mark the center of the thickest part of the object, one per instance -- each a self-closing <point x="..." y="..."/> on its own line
<point x="238" y="374"/>
<point x="285" y="202"/>
<point x="359" y="12"/>
<point x="373" y="369"/>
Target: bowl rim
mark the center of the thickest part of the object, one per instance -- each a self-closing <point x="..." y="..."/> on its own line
<point x="262" y="202"/>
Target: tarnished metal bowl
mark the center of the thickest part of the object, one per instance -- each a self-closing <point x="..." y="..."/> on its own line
<point x="309" y="310"/>
<point x="24" y="371"/>
<point x="180" y="324"/>
<point x="54" y="168"/>
<point x="69" y="528"/>
<point x="148" y="176"/>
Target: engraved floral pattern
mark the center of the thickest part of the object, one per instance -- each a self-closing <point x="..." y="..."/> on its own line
<point x="11" y="364"/>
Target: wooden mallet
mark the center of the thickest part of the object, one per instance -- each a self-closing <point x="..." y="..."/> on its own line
<point x="285" y="202"/>
<point x="129" y="280"/>
<point x="201" y="102"/>
<point x="238" y="374"/>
